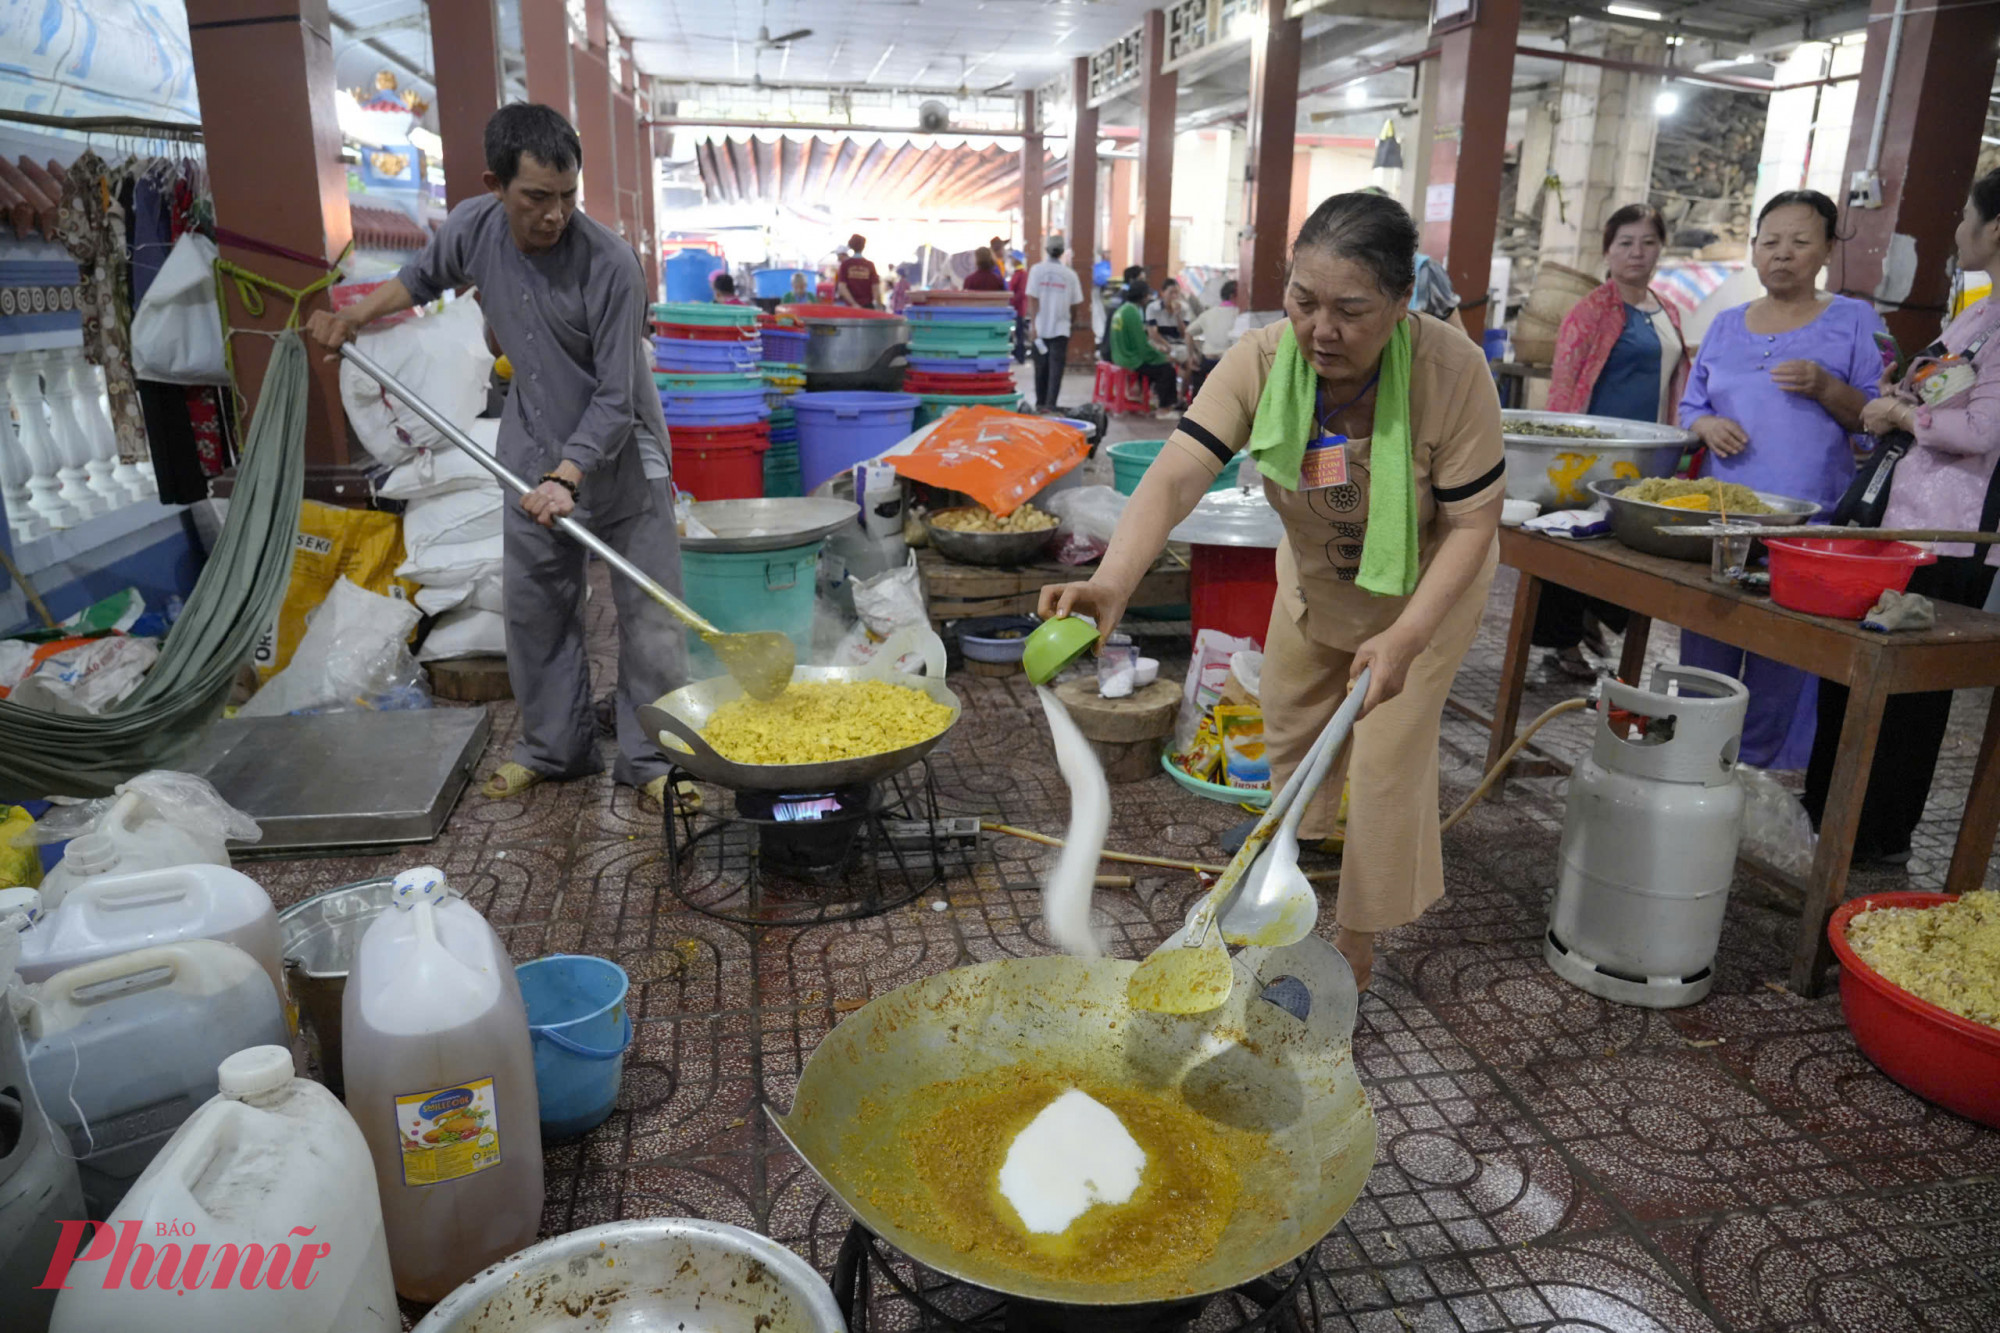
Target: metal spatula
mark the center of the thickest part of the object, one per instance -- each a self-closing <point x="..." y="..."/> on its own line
<point x="761" y="661"/>
<point x="1190" y="972"/>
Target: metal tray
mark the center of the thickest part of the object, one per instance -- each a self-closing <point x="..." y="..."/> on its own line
<point x="768" y="524"/>
<point x="1637" y="523"/>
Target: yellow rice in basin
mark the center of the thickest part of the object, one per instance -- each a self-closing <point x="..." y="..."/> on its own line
<point x="1948" y="954"/>
<point x="822" y="721"/>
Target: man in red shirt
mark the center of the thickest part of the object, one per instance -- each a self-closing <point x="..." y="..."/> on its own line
<point x="855" y="281"/>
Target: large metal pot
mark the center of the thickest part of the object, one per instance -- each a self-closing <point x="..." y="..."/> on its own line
<point x="854" y="344"/>
<point x="648" y="1273"/>
<point x="320" y="937"/>
<point x="1637" y="523"/>
<point x="1008" y="550"/>
<point x="1249" y="1064"/>
<point x="1556" y="471"/>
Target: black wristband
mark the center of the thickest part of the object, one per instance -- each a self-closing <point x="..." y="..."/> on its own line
<point x="563" y="482"/>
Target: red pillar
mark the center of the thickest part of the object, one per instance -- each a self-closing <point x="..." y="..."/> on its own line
<point x="1032" y="187"/>
<point x="545" y="44"/>
<point x="591" y="66"/>
<point x="1475" y="78"/>
<point x="1267" y="183"/>
<point x="1120" y="240"/>
<point x="1930" y="149"/>
<point x="1082" y="208"/>
<point x="643" y="163"/>
<point x="1156" y="151"/>
<point x="267" y="114"/>
<point x="465" y="45"/>
<point x="625" y="129"/>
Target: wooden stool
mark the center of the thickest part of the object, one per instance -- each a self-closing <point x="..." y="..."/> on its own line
<point x="1129" y="734"/>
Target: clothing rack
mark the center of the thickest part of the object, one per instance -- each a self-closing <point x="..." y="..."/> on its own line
<point x="129" y="125"/>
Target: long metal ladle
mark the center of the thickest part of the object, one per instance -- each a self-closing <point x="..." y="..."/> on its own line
<point x="761" y="661"/>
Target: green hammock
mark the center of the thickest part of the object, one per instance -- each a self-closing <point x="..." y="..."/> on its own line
<point x="233" y="602"/>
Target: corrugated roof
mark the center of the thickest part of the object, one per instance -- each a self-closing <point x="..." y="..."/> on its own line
<point x="878" y="174"/>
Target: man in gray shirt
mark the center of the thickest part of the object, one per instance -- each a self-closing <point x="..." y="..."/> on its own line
<point x="566" y="300"/>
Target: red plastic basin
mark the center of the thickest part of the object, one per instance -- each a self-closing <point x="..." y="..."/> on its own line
<point x="1931" y="1051"/>
<point x="1839" y="576"/>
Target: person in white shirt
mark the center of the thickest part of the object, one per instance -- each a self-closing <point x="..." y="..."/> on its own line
<point x="1213" y="332"/>
<point x="1053" y="296"/>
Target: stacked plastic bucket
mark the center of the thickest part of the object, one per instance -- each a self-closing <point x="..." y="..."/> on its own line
<point x="708" y="365"/>
<point x="784" y="375"/>
<point x="961" y="346"/>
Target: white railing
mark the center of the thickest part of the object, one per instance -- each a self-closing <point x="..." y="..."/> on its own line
<point x="59" y="461"/>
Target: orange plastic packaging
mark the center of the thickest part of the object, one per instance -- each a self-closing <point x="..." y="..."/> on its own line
<point x="1001" y="459"/>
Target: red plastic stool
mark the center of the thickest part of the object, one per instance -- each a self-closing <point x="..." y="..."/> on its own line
<point x="1118" y="390"/>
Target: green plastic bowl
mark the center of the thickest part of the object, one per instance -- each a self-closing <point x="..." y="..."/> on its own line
<point x="1054" y="645"/>
<point x="1215" y="791"/>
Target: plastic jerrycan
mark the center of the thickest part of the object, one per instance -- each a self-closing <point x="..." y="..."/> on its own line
<point x="122" y="1050"/>
<point x="440" y="1074"/>
<point x="271" y="1174"/>
<point x="119" y="913"/>
<point x="125" y="841"/>
<point x="38" y="1185"/>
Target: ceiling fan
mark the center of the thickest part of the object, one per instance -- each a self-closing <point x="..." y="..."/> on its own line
<point x="766" y="41"/>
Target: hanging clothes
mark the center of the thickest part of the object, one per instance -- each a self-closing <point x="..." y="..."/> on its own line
<point x="91" y="226"/>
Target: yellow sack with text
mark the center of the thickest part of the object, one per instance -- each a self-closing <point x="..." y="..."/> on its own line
<point x="362" y="545"/>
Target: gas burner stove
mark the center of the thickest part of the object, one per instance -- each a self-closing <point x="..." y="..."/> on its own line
<point x="809" y="857"/>
<point x="879" y="1289"/>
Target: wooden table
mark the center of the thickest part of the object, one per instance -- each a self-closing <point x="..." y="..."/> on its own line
<point x="956" y="591"/>
<point x="1961" y="652"/>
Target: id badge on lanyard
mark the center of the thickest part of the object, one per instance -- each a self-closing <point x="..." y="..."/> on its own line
<point x="1324" y="464"/>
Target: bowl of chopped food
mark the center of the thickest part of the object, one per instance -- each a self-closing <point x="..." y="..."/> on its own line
<point x="832" y="727"/>
<point x="1552" y="457"/>
<point x="974" y="535"/>
<point x="1640" y="509"/>
<point x="1920" y="985"/>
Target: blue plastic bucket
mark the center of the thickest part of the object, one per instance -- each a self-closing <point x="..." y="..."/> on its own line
<point x="838" y="430"/>
<point x="961" y="365"/>
<point x="693" y="355"/>
<point x="682" y="399"/>
<point x="741" y="591"/>
<point x="581" y="1029"/>
<point x="770" y="282"/>
<point x="788" y="345"/>
<point x="687" y="275"/>
<point x="708" y="417"/>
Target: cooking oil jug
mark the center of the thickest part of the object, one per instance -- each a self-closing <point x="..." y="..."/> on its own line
<point x="440" y="1074"/>
<point x="131" y="836"/>
<point x="38" y="1185"/>
<point x="271" y="1175"/>
<point x="124" y="1049"/>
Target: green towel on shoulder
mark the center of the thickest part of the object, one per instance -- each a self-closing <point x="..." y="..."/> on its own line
<point x="1285" y="424"/>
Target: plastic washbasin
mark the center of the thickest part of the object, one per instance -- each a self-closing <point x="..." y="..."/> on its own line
<point x="1215" y="791"/>
<point x="1839" y="577"/>
<point x="1941" y="1057"/>
<point x="1131" y="458"/>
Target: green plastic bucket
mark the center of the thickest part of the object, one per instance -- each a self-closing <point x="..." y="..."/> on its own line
<point x="931" y="406"/>
<point x="741" y="591"/>
<point x="1131" y="458"/>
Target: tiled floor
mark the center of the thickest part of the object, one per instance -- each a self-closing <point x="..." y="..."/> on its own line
<point x="1547" y="1160"/>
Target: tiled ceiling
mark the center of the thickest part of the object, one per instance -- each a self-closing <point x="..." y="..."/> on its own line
<point x="893" y="43"/>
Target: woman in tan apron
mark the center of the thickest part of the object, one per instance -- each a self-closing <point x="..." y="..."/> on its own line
<point x="1377" y="433"/>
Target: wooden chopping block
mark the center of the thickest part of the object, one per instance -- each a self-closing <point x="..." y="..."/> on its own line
<point x="470" y="680"/>
<point x="1129" y="734"/>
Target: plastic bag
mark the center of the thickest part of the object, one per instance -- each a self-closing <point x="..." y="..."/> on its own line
<point x="1088" y="515"/>
<point x="465" y="632"/>
<point x="442" y="358"/>
<point x="87" y="678"/>
<point x="1208" y="673"/>
<point x="19" y="863"/>
<point x="364" y="546"/>
<point x="446" y="469"/>
<point x="1001" y="459"/>
<point x="1246" y="762"/>
<point x="181" y="799"/>
<point x="355" y="654"/>
<point x="458" y="516"/>
<point x="481" y="593"/>
<point x="1776" y="828"/>
<point x="888" y="602"/>
<point x="177" y="330"/>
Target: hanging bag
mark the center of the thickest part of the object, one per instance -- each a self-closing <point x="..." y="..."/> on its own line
<point x="177" y="331"/>
<point x="1867" y="497"/>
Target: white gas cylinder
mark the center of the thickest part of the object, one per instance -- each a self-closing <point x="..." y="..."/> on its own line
<point x="124" y="1049"/>
<point x="116" y="914"/>
<point x="1649" y="841"/>
<point x="131" y="836"/>
<point x="440" y="1074"/>
<point x="271" y="1174"/>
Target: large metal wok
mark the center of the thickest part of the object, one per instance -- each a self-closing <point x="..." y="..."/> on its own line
<point x="677" y="719"/>
<point x="1248" y="1065"/>
<point x="1555" y="471"/>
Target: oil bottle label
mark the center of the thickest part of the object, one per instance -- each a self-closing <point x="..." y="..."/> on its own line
<point x="448" y="1132"/>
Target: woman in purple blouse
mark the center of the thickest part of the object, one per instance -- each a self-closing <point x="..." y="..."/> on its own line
<point x="1776" y="395"/>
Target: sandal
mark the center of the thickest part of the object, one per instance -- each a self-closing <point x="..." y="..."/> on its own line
<point x="511" y="779"/>
<point x="687" y="796"/>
